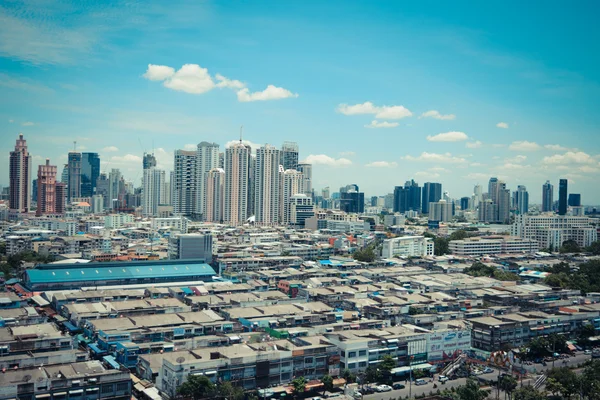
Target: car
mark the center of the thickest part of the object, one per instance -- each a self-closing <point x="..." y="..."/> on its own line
<point x="587" y="352"/>
<point x="383" y="388"/>
<point x="368" y="390"/>
<point x="487" y="370"/>
<point x="420" y="382"/>
<point x="357" y="395"/>
<point x="443" y="378"/>
<point x="398" y="386"/>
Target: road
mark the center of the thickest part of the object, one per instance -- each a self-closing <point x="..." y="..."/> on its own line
<point x="579" y="358"/>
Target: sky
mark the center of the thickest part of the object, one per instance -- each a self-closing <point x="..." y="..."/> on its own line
<point x="374" y="92"/>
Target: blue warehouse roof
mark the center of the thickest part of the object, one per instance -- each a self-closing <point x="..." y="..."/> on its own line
<point x="114" y="271"/>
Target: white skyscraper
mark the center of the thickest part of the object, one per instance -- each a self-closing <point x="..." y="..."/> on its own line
<point x="207" y="158"/>
<point x="153" y="186"/>
<point x="292" y="182"/>
<point x="477" y="196"/>
<point x="114" y="181"/>
<point x="440" y="211"/>
<point x="237" y="167"/>
<point x="184" y="183"/>
<point x="306" y="170"/>
<point x="266" y="185"/>
<point x="215" y="202"/>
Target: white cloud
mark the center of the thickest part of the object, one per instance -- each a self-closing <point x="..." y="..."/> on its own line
<point x="516" y="159"/>
<point x="158" y="72"/>
<point x="498" y="145"/>
<point x="127" y="158"/>
<point x="570" y="157"/>
<point x="524" y="146"/>
<point x="381" y="112"/>
<point x="382" y="164"/>
<point x="253" y="146"/>
<point x="270" y="93"/>
<point x="28" y="123"/>
<point x="10" y="121"/>
<point x="228" y="83"/>
<point x="502" y="125"/>
<point x="513" y="166"/>
<point x="322" y="159"/>
<point x="589" y="169"/>
<point x="435" y="157"/>
<point x="110" y="149"/>
<point x="448" y="137"/>
<point x="190" y="147"/>
<point x="476" y="164"/>
<point x="474" y="145"/>
<point x="439" y="169"/>
<point x="382" y="124"/>
<point x="556" y="147"/>
<point x="190" y="78"/>
<point x="477" y="176"/>
<point x="427" y="174"/>
<point x="436" y="114"/>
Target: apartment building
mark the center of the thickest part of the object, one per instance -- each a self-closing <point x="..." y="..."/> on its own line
<point x="477" y="246"/>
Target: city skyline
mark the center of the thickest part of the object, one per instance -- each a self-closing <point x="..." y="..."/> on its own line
<point x="433" y="94"/>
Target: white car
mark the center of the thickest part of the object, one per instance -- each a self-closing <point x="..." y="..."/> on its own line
<point x="588" y="352"/>
<point x="357" y="395"/>
<point x="384" y="388"/>
<point x="442" y="378"/>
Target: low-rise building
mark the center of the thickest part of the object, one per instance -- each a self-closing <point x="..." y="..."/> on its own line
<point x="407" y="246"/>
<point x="477" y="246"/>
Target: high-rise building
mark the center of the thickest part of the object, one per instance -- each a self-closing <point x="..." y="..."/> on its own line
<point x="306" y="170"/>
<point x="301" y="208"/>
<point x="237" y="168"/>
<point x="488" y="211"/>
<point x="97" y="203"/>
<point x="325" y="192"/>
<point x="207" y="158"/>
<point x="432" y="192"/>
<point x="153" y="186"/>
<point x="289" y="155"/>
<point x="562" y="196"/>
<point x="64" y="176"/>
<point x="547" y="196"/>
<point x="291" y="184"/>
<point x="46" y="189"/>
<point x="34" y="190"/>
<point x="441" y="211"/>
<point x="20" y="177"/>
<point x="90" y="170"/>
<point x="266" y="181"/>
<point x="191" y="247"/>
<point x="185" y="187"/>
<point x="149" y="161"/>
<point x="414" y="195"/>
<point x="400" y="199"/>
<point x="114" y="188"/>
<point x="102" y="189"/>
<point x="215" y="201"/>
<point x="464" y="203"/>
<point x="74" y="167"/>
<point x="61" y="198"/>
<point x="574" y="200"/>
<point x="222" y="161"/>
<point x="521" y="199"/>
<point x="493" y="190"/>
<point x="503" y="204"/>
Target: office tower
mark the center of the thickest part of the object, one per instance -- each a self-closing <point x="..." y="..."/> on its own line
<point x="102" y="189"/>
<point x="291" y="184"/>
<point x="574" y="200"/>
<point x="97" y="204"/>
<point x="441" y="211"/>
<point x="289" y="155"/>
<point x="34" y="190"/>
<point x="414" y="195"/>
<point x="477" y="196"/>
<point x="20" y="177"/>
<point x="114" y="182"/>
<point x="222" y="161"/>
<point x="185" y="186"/>
<point x="503" y="204"/>
<point x="521" y="200"/>
<point x="432" y="192"/>
<point x="464" y="203"/>
<point x="61" y="198"/>
<point x="301" y="208"/>
<point x="306" y="170"/>
<point x="493" y="190"/>
<point x="207" y="159"/>
<point x="215" y="201"/>
<point x="373" y="201"/>
<point x="74" y="182"/>
<point x="250" y="211"/>
<point x="153" y="186"/>
<point x="237" y="168"/>
<point x="266" y="181"/>
<point x="562" y="196"/>
<point x="400" y="199"/>
<point x="64" y="176"/>
<point x="149" y="161"/>
<point x="351" y="199"/>
<point x="488" y="211"/>
<point x="325" y="192"/>
<point x="547" y="196"/>
<point x="388" y="201"/>
<point x="46" y="189"/>
<point x="90" y="170"/>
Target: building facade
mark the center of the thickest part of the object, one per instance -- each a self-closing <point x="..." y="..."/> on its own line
<point x="237" y="175"/>
<point x="267" y="185"/>
<point x="207" y="158"/>
<point x="185" y="190"/>
<point x="551" y="231"/>
<point x="215" y="201"/>
<point x="46" y="189"/>
<point x="407" y="246"/>
<point x="20" y="177"/>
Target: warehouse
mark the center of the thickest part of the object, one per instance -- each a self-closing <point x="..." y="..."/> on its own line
<point x="57" y="276"/>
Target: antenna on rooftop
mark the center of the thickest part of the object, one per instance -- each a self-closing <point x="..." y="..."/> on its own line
<point x="241" y="131"/>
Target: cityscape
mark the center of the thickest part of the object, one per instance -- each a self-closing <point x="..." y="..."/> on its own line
<point x="175" y="230"/>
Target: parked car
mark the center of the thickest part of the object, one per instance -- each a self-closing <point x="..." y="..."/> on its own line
<point x="420" y="382"/>
<point x="367" y="390"/>
<point x="398" y="386"/>
<point x="383" y="388"/>
<point x="443" y="378"/>
<point x="357" y="395"/>
<point x="587" y="352"/>
<point x="487" y="370"/>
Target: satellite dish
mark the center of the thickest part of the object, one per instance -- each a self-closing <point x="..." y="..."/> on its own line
<point x="26" y="378"/>
<point x="180" y="360"/>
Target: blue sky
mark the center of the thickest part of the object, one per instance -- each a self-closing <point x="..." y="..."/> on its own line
<point x="375" y="93"/>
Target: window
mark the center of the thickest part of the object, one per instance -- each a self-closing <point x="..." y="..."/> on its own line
<point x="342" y="353"/>
<point x="351" y="354"/>
<point x="122" y="386"/>
<point x="351" y="365"/>
<point x="107" y="388"/>
<point x="362" y="364"/>
<point x="362" y="353"/>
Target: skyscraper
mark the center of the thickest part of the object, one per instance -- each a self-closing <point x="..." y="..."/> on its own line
<point x="185" y="186"/>
<point x="237" y="168"/>
<point x="102" y="189"/>
<point x="400" y="199"/>
<point x="441" y="211"/>
<point x="351" y="199"/>
<point x="149" y="161"/>
<point x="306" y="169"/>
<point x="215" y="201"/>
<point x="574" y="200"/>
<point x="493" y="190"/>
<point x="503" y="204"/>
<point x="477" y="196"/>
<point x="464" y="203"/>
<point x="414" y="195"/>
<point x="207" y="158"/>
<point x="432" y="192"/>
<point x="547" y="196"/>
<point x="61" y="198"/>
<point x="90" y="170"/>
<point x="291" y="184"/>
<point x="521" y="197"/>
<point x="152" y="193"/>
<point x="266" y="181"/>
<point x="20" y="177"/>
<point x="74" y="168"/>
<point x="562" y="196"/>
<point x="114" y="188"/>
<point x="46" y="189"/>
<point x="289" y="155"/>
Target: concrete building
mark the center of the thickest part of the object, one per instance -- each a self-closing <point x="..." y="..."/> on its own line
<point x="237" y="170"/>
<point x="90" y="170"/>
<point x="191" y="247"/>
<point x="407" y="246"/>
<point x="289" y="155"/>
<point x="20" y="178"/>
<point x="301" y="209"/>
<point x="547" y="196"/>
<point x="46" y="203"/>
<point x="291" y="184"/>
<point x="171" y="223"/>
<point x="149" y="161"/>
<point x="306" y="169"/>
<point x="521" y="200"/>
<point x="185" y="190"/>
<point x="207" y="158"/>
<point x="152" y="191"/>
<point x="478" y="246"/>
<point x="562" y="196"/>
<point x="214" y="203"/>
<point x="117" y="221"/>
<point x="432" y="192"/>
<point x="74" y="168"/>
<point x="267" y="185"/>
<point x="551" y="231"/>
<point x="488" y="211"/>
<point x="441" y="211"/>
<point x="503" y="204"/>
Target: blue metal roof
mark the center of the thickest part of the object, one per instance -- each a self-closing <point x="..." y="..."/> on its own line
<point x="89" y="272"/>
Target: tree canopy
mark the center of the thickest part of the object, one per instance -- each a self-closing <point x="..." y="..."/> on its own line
<point x="197" y="387"/>
<point x="585" y="278"/>
<point x="569" y="246"/>
<point x="480" y="269"/>
<point x="471" y="391"/>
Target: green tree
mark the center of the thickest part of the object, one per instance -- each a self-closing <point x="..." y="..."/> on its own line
<point x="458" y="235"/>
<point x="557" y="343"/>
<point x="365" y="255"/>
<point x="348" y="376"/>
<point x="371" y="374"/>
<point x="528" y="393"/>
<point x="299" y="386"/>
<point x="507" y="383"/>
<point x="385" y="367"/>
<point x="567" y="380"/>
<point x="590" y="380"/>
<point x="560" y="280"/>
<point x="327" y="381"/>
<point x="471" y="391"/>
<point x="594" y="248"/>
<point x="440" y="246"/>
<point x="584" y="333"/>
<point x="230" y="392"/>
<point x="197" y="387"/>
<point x="570" y="246"/>
<point x="554" y="387"/>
